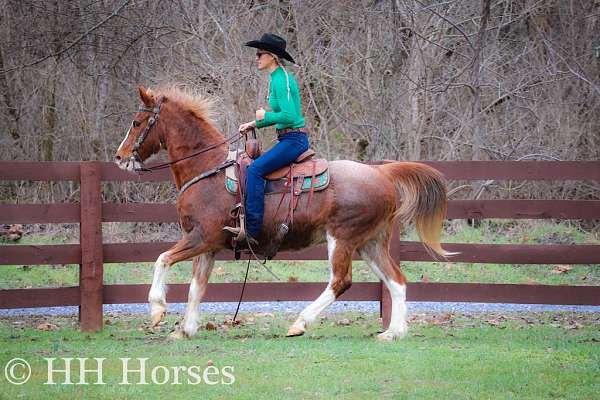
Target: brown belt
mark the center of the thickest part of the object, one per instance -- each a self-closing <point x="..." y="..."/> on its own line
<point x="287" y="130"/>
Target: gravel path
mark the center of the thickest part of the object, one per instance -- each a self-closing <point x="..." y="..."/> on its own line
<point x="297" y="306"/>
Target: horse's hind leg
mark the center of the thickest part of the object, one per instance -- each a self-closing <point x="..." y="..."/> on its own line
<point x="376" y="254"/>
<point x="185" y="249"/>
<point x="340" y="262"/>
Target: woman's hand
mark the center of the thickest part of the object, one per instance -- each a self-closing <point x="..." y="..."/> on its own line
<point x="247" y="126"/>
<point x="260" y="114"/>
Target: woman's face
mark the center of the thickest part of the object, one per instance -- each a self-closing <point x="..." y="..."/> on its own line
<point x="264" y="59"/>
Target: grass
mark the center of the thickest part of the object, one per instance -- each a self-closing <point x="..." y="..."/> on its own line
<point x="503" y="356"/>
<point x="533" y="356"/>
<point x="490" y="231"/>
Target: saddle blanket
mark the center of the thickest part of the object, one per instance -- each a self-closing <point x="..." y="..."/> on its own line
<point x="319" y="182"/>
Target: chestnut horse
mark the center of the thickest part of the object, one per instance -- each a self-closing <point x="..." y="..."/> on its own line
<point x="355" y="213"/>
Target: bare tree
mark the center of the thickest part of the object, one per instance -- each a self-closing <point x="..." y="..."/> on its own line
<point x="402" y="79"/>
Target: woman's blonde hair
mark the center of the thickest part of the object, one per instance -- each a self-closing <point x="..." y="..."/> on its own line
<point x="281" y="63"/>
<point x="278" y="59"/>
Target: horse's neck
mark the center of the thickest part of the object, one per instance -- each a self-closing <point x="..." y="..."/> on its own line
<point x="189" y="138"/>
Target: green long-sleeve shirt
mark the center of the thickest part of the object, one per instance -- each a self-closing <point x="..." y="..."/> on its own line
<point x="286" y="108"/>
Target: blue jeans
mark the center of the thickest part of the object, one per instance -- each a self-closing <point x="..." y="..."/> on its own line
<point x="289" y="147"/>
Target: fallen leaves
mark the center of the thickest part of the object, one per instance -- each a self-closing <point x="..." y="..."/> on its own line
<point x="496" y="322"/>
<point x="46" y="326"/>
<point x="211" y="326"/>
<point x="442" y="319"/>
<point x="574" y="325"/>
<point x="431" y="319"/>
<point x="561" y="269"/>
<point x="264" y="315"/>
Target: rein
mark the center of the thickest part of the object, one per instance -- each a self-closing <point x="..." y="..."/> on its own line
<point x="229" y="139"/>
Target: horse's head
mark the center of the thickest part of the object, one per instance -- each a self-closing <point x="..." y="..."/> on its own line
<point x="143" y="138"/>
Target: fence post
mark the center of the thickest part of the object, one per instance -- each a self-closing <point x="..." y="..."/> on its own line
<point x="90" y="238"/>
<point x="385" y="307"/>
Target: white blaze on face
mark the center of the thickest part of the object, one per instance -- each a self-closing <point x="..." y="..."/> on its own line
<point x="126" y="136"/>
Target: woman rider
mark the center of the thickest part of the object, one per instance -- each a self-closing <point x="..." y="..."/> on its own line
<point x="286" y="115"/>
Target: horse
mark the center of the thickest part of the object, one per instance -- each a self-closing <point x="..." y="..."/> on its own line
<point x="355" y="213"/>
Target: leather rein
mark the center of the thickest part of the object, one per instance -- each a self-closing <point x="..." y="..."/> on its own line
<point x="135" y="156"/>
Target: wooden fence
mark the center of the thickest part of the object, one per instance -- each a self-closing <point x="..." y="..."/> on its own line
<point x="91" y="253"/>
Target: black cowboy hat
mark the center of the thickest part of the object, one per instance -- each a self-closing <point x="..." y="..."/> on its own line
<point x="273" y="44"/>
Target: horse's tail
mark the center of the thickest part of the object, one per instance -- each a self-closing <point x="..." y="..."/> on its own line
<point x="423" y="198"/>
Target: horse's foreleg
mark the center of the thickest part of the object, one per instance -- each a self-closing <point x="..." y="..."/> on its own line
<point x="377" y="256"/>
<point x="203" y="266"/>
<point x="157" y="297"/>
<point x="340" y="262"/>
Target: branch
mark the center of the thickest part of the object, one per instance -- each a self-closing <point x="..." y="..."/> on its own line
<point x="75" y="43"/>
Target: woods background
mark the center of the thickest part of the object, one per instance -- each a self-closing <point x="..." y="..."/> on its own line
<point x="396" y="79"/>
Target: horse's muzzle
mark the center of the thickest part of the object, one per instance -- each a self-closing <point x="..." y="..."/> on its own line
<point x="129" y="164"/>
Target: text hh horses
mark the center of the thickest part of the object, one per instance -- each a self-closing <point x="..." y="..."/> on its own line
<point x="355" y="213"/>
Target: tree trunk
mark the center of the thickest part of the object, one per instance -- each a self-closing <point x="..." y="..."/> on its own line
<point x="476" y="121"/>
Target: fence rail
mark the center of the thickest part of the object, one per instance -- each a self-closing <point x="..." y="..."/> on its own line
<point x="91" y="253"/>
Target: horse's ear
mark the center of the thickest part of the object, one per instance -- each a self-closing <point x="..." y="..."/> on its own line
<point x="146" y="96"/>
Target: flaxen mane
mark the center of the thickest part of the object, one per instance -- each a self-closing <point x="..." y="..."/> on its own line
<point x="200" y="105"/>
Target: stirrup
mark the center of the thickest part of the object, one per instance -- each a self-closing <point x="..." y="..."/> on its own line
<point x="235" y="211"/>
<point x="238" y="232"/>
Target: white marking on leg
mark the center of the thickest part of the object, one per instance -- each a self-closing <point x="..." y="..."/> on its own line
<point x="158" y="291"/>
<point x="198" y="286"/>
<point x="190" y="326"/>
<point x="398" y="327"/>
<point x="310" y="313"/>
<point x="398" y="319"/>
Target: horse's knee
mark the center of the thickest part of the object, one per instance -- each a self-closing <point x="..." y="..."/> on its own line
<point x="340" y="285"/>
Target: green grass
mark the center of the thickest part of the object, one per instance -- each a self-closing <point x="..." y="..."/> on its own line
<point x="445" y="356"/>
<point x="490" y="231"/>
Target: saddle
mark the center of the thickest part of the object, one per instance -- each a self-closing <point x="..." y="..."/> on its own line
<point x="305" y="174"/>
<point x="310" y="172"/>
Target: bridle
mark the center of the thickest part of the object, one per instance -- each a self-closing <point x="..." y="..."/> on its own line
<point x="136" y="159"/>
<point x="135" y="155"/>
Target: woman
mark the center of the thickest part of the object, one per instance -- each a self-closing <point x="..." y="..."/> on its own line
<point x="286" y="115"/>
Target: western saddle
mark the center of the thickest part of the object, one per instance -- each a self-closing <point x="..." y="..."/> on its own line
<point x="305" y="174"/>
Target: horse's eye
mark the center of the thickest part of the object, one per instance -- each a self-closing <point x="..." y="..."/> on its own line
<point x="136" y="123"/>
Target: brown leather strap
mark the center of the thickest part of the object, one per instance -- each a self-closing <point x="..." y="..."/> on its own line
<point x="283" y="194"/>
<point x="296" y="196"/>
<point x="312" y="185"/>
<point x="281" y="132"/>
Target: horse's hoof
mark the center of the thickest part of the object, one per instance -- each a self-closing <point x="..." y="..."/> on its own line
<point x="386" y="337"/>
<point x="293" y="331"/>
<point x="157" y="318"/>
